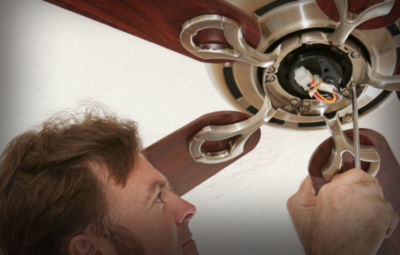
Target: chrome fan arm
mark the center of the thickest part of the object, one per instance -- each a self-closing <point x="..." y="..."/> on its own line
<point x="347" y="24"/>
<point x="240" y="50"/>
<point x="341" y="145"/>
<point x="381" y="81"/>
<point x="244" y="129"/>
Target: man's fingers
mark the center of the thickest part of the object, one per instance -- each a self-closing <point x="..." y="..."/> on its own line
<point x="393" y="225"/>
<point x="355" y="176"/>
<point x="306" y="187"/>
<point x="301" y="208"/>
<point x="305" y="196"/>
<point x="352" y="176"/>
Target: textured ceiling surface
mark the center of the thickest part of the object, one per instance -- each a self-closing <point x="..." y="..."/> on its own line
<point x="53" y="60"/>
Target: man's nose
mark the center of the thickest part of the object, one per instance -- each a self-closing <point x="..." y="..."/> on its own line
<point x="182" y="209"/>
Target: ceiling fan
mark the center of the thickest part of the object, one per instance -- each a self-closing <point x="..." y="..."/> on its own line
<point x="252" y="54"/>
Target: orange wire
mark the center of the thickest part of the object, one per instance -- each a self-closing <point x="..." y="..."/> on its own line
<point x="314" y="90"/>
<point x="326" y="100"/>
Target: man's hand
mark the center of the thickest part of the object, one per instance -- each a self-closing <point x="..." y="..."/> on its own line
<point x="349" y="216"/>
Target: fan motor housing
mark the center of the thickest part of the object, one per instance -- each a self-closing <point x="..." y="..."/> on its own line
<point x="302" y="32"/>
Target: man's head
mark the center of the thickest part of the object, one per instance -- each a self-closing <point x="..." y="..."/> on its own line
<point x="81" y="186"/>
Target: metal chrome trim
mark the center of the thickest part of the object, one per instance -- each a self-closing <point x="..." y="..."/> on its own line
<point x="240" y="51"/>
<point x="343" y="144"/>
<point x="221" y="132"/>
<point x="301" y="15"/>
<point x="346" y="24"/>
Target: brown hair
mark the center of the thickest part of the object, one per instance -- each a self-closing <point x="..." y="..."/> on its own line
<point x="47" y="191"/>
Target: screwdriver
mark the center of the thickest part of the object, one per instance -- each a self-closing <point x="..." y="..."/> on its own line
<point x="356" y="132"/>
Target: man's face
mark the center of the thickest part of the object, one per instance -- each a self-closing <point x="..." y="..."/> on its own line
<point x="151" y="212"/>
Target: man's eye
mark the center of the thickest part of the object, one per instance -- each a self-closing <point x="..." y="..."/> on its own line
<point x="159" y="198"/>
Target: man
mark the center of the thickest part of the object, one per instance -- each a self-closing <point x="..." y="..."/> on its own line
<point x="79" y="185"/>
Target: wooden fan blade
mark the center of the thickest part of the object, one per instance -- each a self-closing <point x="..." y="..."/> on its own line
<point x="160" y="21"/>
<point x="170" y="155"/>
<point x="388" y="175"/>
<point x="356" y="6"/>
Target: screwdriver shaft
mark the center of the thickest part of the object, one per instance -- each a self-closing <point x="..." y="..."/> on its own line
<point x="356" y="133"/>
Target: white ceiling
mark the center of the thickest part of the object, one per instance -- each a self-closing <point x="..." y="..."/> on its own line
<point x="53" y="60"/>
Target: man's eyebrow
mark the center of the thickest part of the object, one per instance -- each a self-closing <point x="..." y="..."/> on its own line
<point x="154" y="186"/>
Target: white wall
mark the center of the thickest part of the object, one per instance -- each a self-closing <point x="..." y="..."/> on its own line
<point x="53" y="60"/>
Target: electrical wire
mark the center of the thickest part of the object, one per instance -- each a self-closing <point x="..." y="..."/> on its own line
<point x="314" y="91"/>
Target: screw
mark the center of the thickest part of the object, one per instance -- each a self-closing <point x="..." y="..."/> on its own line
<point x="352" y="15"/>
<point x="269" y="78"/>
<point x="348" y="117"/>
<point x="346" y="92"/>
<point x="305" y="107"/>
<point x="270" y="69"/>
<point x="294" y="101"/>
<point x="288" y="108"/>
<point x="355" y="54"/>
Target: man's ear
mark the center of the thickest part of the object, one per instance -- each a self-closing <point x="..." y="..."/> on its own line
<point x="82" y="244"/>
<point x="90" y="244"/>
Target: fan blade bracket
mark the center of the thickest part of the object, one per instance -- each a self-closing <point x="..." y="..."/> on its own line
<point x="347" y="23"/>
<point x="236" y="133"/>
<point x="238" y="49"/>
<point x="343" y="144"/>
<point x="381" y="81"/>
